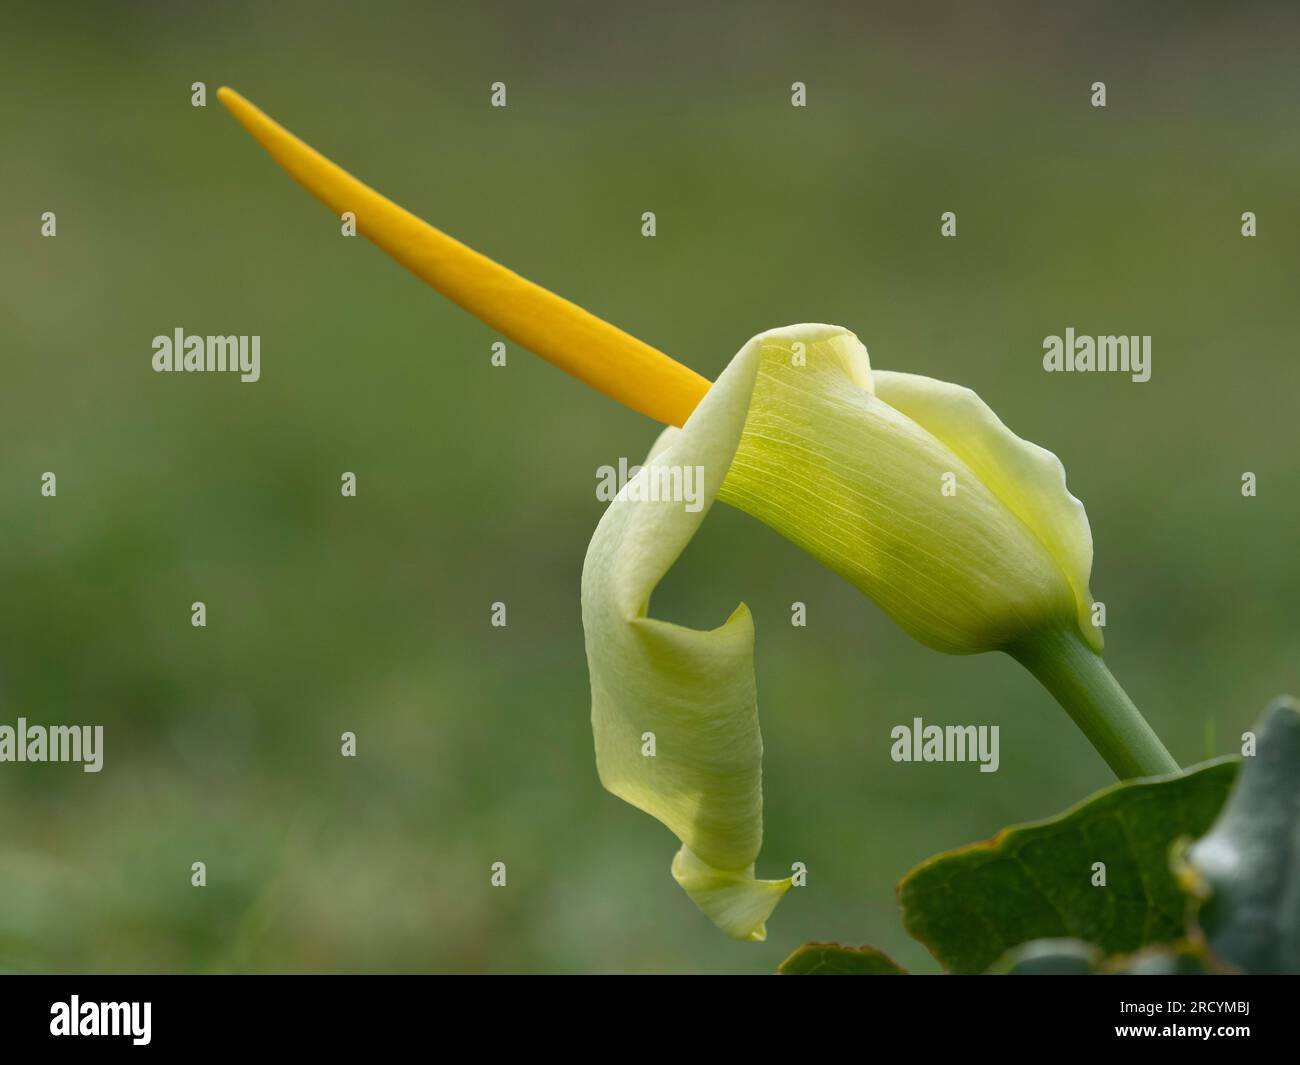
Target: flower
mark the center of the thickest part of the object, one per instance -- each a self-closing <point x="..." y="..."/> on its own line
<point x="910" y="488"/>
<point x="850" y="465"/>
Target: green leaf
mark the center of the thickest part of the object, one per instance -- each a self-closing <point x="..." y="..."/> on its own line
<point x="831" y="959"/>
<point x="1246" y="870"/>
<point x="971" y="905"/>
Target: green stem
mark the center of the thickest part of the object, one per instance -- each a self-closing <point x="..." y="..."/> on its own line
<point x="1079" y="680"/>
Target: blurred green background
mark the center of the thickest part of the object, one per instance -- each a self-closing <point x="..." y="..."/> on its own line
<point x="477" y="484"/>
